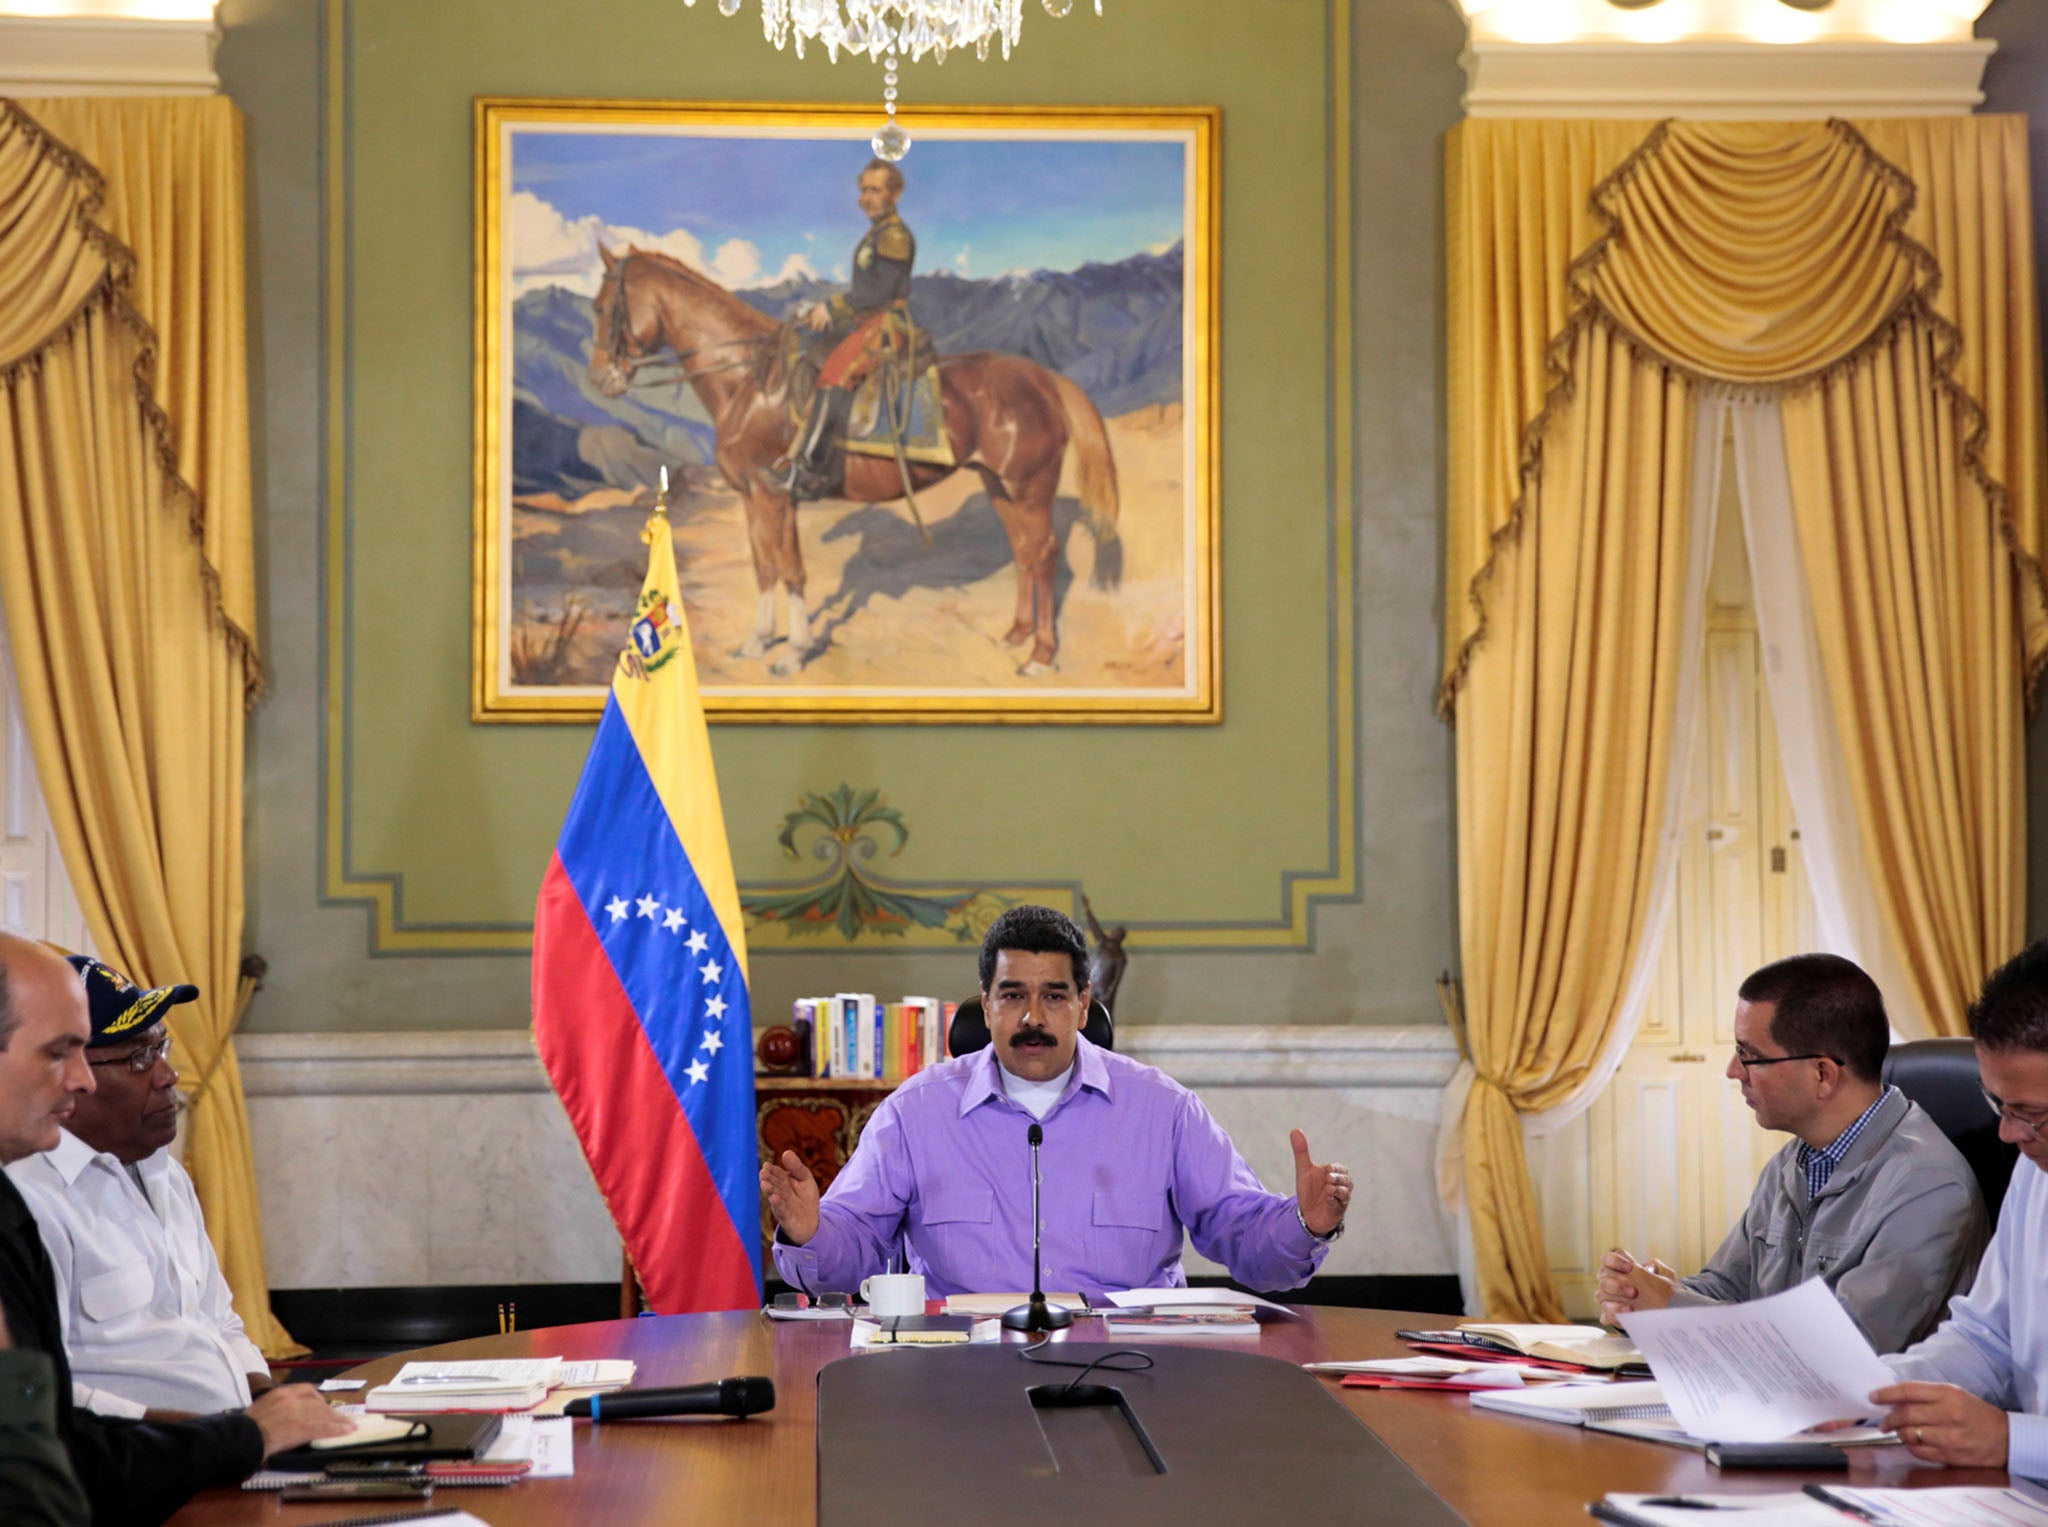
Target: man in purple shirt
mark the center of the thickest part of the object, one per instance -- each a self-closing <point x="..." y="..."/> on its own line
<point x="1131" y="1159"/>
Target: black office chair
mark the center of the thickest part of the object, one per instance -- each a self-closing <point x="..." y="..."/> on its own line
<point x="970" y="1028"/>
<point x="1941" y="1076"/>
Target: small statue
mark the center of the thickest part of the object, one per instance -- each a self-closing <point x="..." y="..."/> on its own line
<point x="1106" y="962"/>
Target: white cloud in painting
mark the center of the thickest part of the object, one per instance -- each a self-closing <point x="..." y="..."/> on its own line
<point x="548" y="249"/>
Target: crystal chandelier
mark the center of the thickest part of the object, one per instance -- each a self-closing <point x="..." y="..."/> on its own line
<point x="885" y="30"/>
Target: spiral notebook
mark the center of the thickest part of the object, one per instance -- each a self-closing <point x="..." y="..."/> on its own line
<point x="1579" y="1404"/>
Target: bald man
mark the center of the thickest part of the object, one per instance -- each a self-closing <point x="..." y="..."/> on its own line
<point x="135" y="1473"/>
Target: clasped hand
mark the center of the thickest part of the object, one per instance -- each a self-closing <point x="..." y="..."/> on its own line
<point x="1626" y="1285"/>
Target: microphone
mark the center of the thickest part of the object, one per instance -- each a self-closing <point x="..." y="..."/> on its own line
<point x="1036" y="1315"/>
<point x="727" y="1397"/>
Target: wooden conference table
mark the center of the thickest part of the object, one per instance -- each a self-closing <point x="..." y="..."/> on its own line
<point x="1489" y="1468"/>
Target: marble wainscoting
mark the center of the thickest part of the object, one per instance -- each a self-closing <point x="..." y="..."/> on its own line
<point x="407" y="1159"/>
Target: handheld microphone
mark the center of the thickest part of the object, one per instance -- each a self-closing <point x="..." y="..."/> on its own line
<point x="1037" y="1315"/>
<point x="727" y="1397"/>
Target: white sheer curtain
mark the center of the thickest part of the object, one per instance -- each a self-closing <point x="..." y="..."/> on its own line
<point x="1709" y="423"/>
<point x="1847" y="920"/>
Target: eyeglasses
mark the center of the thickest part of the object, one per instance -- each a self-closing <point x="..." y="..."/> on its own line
<point x="1999" y="1106"/>
<point x="1011" y="1005"/>
<point x="1750" y="1062"/>
<point x="141" y="1061"/>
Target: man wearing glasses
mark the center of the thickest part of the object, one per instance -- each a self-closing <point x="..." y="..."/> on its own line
<point x="1869" y="1194"/>
<point x="149" y="1324"/>
<point x="1977" y="1389"/>
<point x="1130" y="1159"/>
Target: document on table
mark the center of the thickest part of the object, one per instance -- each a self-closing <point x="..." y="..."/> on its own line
<point x="544" y="1371"/>
<point x="1763" y="1370"/>
<point x="1835" y="1506"/>
<point x="549" y="1441"/>
<point x="867" y="1336"/>
<point x="1181" y="1298"/>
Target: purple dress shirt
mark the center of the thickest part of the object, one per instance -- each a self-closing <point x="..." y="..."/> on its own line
<point x="1130" y="1158"/>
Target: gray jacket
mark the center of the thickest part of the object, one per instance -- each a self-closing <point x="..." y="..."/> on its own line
<point x="1896" y="1231"/>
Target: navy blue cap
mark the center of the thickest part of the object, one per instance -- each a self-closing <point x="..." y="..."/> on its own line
<point x="120" y="1008"/>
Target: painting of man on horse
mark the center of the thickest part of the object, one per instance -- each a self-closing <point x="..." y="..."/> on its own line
<point x="924" y="455"/>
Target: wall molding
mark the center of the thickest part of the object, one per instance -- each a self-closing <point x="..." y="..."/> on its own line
<point x="481" y="1061"/>
<point x="107" y="55"/>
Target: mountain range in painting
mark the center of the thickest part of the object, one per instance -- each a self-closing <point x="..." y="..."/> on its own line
<point x="1114" y="328"/>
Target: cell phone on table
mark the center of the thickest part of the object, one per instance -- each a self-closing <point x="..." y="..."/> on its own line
<point x="358" y="1489"/>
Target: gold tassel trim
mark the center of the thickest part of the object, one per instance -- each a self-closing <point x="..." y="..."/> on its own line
<point x="111" y="293"/>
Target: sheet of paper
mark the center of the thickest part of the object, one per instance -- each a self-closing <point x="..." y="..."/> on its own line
<point x="548" y="1441"/>
<point x="867" y="1335"/>
<point x="498" y="1370"/>
<point x="1789" y="1510"/>
<point x="1948" y="1506"/>
<point x="1145" y="1298"/>
<point x="341" y="1386"/>
<point x="1760" y="1371"/>
<point x="996" y="1304"/>
<point x="1481" y="1375"/>
<point x="598" y="1372"/>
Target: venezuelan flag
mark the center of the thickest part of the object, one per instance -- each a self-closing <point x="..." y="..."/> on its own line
<point x="640" y="1004"/>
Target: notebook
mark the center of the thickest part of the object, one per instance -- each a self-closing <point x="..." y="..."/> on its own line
<point x="1579" y="1404"/>
<point x="450" y="1436"/>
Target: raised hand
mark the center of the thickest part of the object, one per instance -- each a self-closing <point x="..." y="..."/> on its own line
<point x="1322" y="1191"/>
<point x="792" y="1195"/>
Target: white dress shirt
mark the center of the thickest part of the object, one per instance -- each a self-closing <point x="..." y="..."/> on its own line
<point x="148" y="1320"/>
<point x="1995" y="1341"/>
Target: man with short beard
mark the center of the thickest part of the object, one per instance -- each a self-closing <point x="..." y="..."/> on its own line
<point x="1131" y="1160"/>
<point x="149" y="1323"/>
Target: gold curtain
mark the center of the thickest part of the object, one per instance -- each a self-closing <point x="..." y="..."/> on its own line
<point x="127" y="567"/>
<point x="1887" y="297"/>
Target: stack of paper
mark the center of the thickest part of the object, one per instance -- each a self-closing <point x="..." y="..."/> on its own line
<point x="1578" y="1404"/>
<point x="493" y="1383"/>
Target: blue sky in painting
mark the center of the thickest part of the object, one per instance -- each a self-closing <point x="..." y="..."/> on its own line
<point x="753" y="211"/>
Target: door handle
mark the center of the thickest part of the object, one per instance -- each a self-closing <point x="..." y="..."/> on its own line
<point x="1688" y="1058"/>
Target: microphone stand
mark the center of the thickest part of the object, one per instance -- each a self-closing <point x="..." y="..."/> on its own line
<point x="1036" y="1315"/>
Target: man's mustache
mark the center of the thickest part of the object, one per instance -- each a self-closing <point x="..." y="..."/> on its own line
<point x="1032" y="1037"/>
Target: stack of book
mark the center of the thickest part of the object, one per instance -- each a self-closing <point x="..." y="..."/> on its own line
<point x="850" y="1034"/>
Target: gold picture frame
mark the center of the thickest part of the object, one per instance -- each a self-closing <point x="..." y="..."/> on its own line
<point x="716" y="211"/>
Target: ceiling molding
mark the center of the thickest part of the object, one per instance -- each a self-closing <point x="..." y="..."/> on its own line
<point x="1722" y="58"/>
<point x="1728" y="80"/>
<point x="107" y="55"/>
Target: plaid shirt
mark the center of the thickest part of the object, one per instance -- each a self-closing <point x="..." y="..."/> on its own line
<point x="1819" y="1165"/>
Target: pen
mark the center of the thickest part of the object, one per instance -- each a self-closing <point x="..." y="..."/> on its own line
<point x="1828" y="1497"/>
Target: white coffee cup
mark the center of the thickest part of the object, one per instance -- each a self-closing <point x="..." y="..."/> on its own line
<point x="891" y="1294"/>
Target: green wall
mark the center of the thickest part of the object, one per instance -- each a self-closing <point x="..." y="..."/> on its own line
<point x="1197" y="836"/>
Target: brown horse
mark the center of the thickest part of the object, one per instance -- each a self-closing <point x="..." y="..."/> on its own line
<point x="1010" y="421"/>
